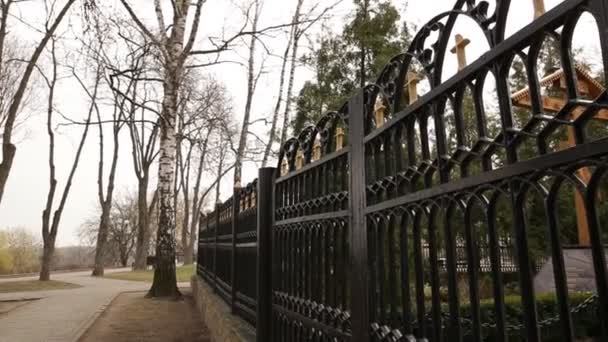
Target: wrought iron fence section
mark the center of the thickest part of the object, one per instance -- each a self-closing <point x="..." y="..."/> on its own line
<point x="438" y="186"/>
<point x="420" y="218"/>
<point x="310" y="235"/>
<point x="227" y="241"/>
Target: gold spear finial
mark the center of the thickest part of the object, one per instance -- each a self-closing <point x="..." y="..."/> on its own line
<point x="539" y="8"/>
<point x="460" y="50"/>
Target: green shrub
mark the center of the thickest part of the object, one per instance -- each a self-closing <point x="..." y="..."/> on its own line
<point x="584" y="321"/>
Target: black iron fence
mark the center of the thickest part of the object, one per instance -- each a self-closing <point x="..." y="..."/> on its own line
<point x="387" y="220"/>
<point x="227" y="251"/>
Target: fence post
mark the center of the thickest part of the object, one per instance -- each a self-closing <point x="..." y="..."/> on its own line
<point x="236" y="197"/>
<point x="216" y="232"/>
<point x="199" y="250"/>
<point x="265" y="198"/>
<point x="358" y="230"/>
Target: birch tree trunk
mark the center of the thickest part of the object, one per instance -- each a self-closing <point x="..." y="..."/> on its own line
<point x="189" y="247"/>
<point x="277" y="108"/>
<point x="289" y="96"/>
<point x="240" y="154"/>
<point x="165" y="281"/>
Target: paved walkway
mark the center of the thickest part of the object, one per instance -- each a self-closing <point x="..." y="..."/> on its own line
<point x="61" y="315"/>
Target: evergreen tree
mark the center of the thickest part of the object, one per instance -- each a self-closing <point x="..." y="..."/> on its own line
<point x="351" y="59"/>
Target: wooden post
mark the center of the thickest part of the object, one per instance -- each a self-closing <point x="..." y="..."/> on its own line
<point x="460" y="50"/>
<point x="264" y="259"/>
<point x="539" y="8"/>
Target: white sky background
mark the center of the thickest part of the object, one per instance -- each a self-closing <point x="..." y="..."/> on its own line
<point x="26" y="190"/>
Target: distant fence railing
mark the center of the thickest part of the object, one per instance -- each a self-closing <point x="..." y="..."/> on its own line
<point x="386" y="220"/>
<point x="227" y="251"/>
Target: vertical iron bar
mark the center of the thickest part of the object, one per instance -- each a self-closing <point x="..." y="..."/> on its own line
<point x="216" y="232"/>
<point x="473" y="271"/>
<point x="236" y="200"/>
<point x="527" y="289"/>
<point x="497" y="268"/>
<point x="434" y="277"/>
<point x="265" y="198"/>
<point x="419" y="269"/>
<point x="358" y="225"/>
<point x="598" y="254"/>
<point x="559" y="271"/>
<point x="454" y="328"/>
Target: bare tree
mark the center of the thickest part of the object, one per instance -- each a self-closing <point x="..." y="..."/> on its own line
<point x="105" y="196"/>
<point x="277" y="107"/>
<point x="8" y="148"/>
<point x="23" y="247"/>
<point x="203" y="109"/>
<point x="301" y="23"/>
<point x="251" y="83"/>
<point x="122" y="230"/>
<point x="134" y="79"/>
<point x="50" y="222"/>
<point x="175" y="46"/>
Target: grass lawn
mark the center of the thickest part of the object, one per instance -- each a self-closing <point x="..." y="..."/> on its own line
<point x="35" y="285"/>
<point x="184" y="273"/>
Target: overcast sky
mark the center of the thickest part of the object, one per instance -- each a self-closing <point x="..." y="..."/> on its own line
<point x="24" y="197"/>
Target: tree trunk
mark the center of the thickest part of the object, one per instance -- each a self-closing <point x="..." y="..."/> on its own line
<point x="143" y="233"/>
<point x="293" y="36"/>
<point x="289" y="96"/>
<point x="47" y="258"/>
<point x="165" y="281"/>
<point x="238" y="164"/>
<point x="8" y="148"/>
<point x="106" y="203"/>
<point x="185" y="233"/>
<point x="102" y="238"/>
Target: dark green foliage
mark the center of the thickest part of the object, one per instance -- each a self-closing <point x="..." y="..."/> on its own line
<point x="585" y="321"/>
<point x="356" y="56"/>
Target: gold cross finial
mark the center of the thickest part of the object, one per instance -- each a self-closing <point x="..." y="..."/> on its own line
<point x="379" y="108"/>
<point x="539" y="8"/>
<point x="316" y="150"/>
<point x="412" y="87"/>
<point x="299" y="160"/>
<point x="339" y="138"/>
<point x="284" y="167"/>
<point x="460" y="50"/>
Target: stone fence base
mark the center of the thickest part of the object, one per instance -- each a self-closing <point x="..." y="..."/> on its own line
<point x="222" y="325"/>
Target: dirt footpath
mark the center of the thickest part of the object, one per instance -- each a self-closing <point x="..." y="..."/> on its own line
<point x="131" y="317"/>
